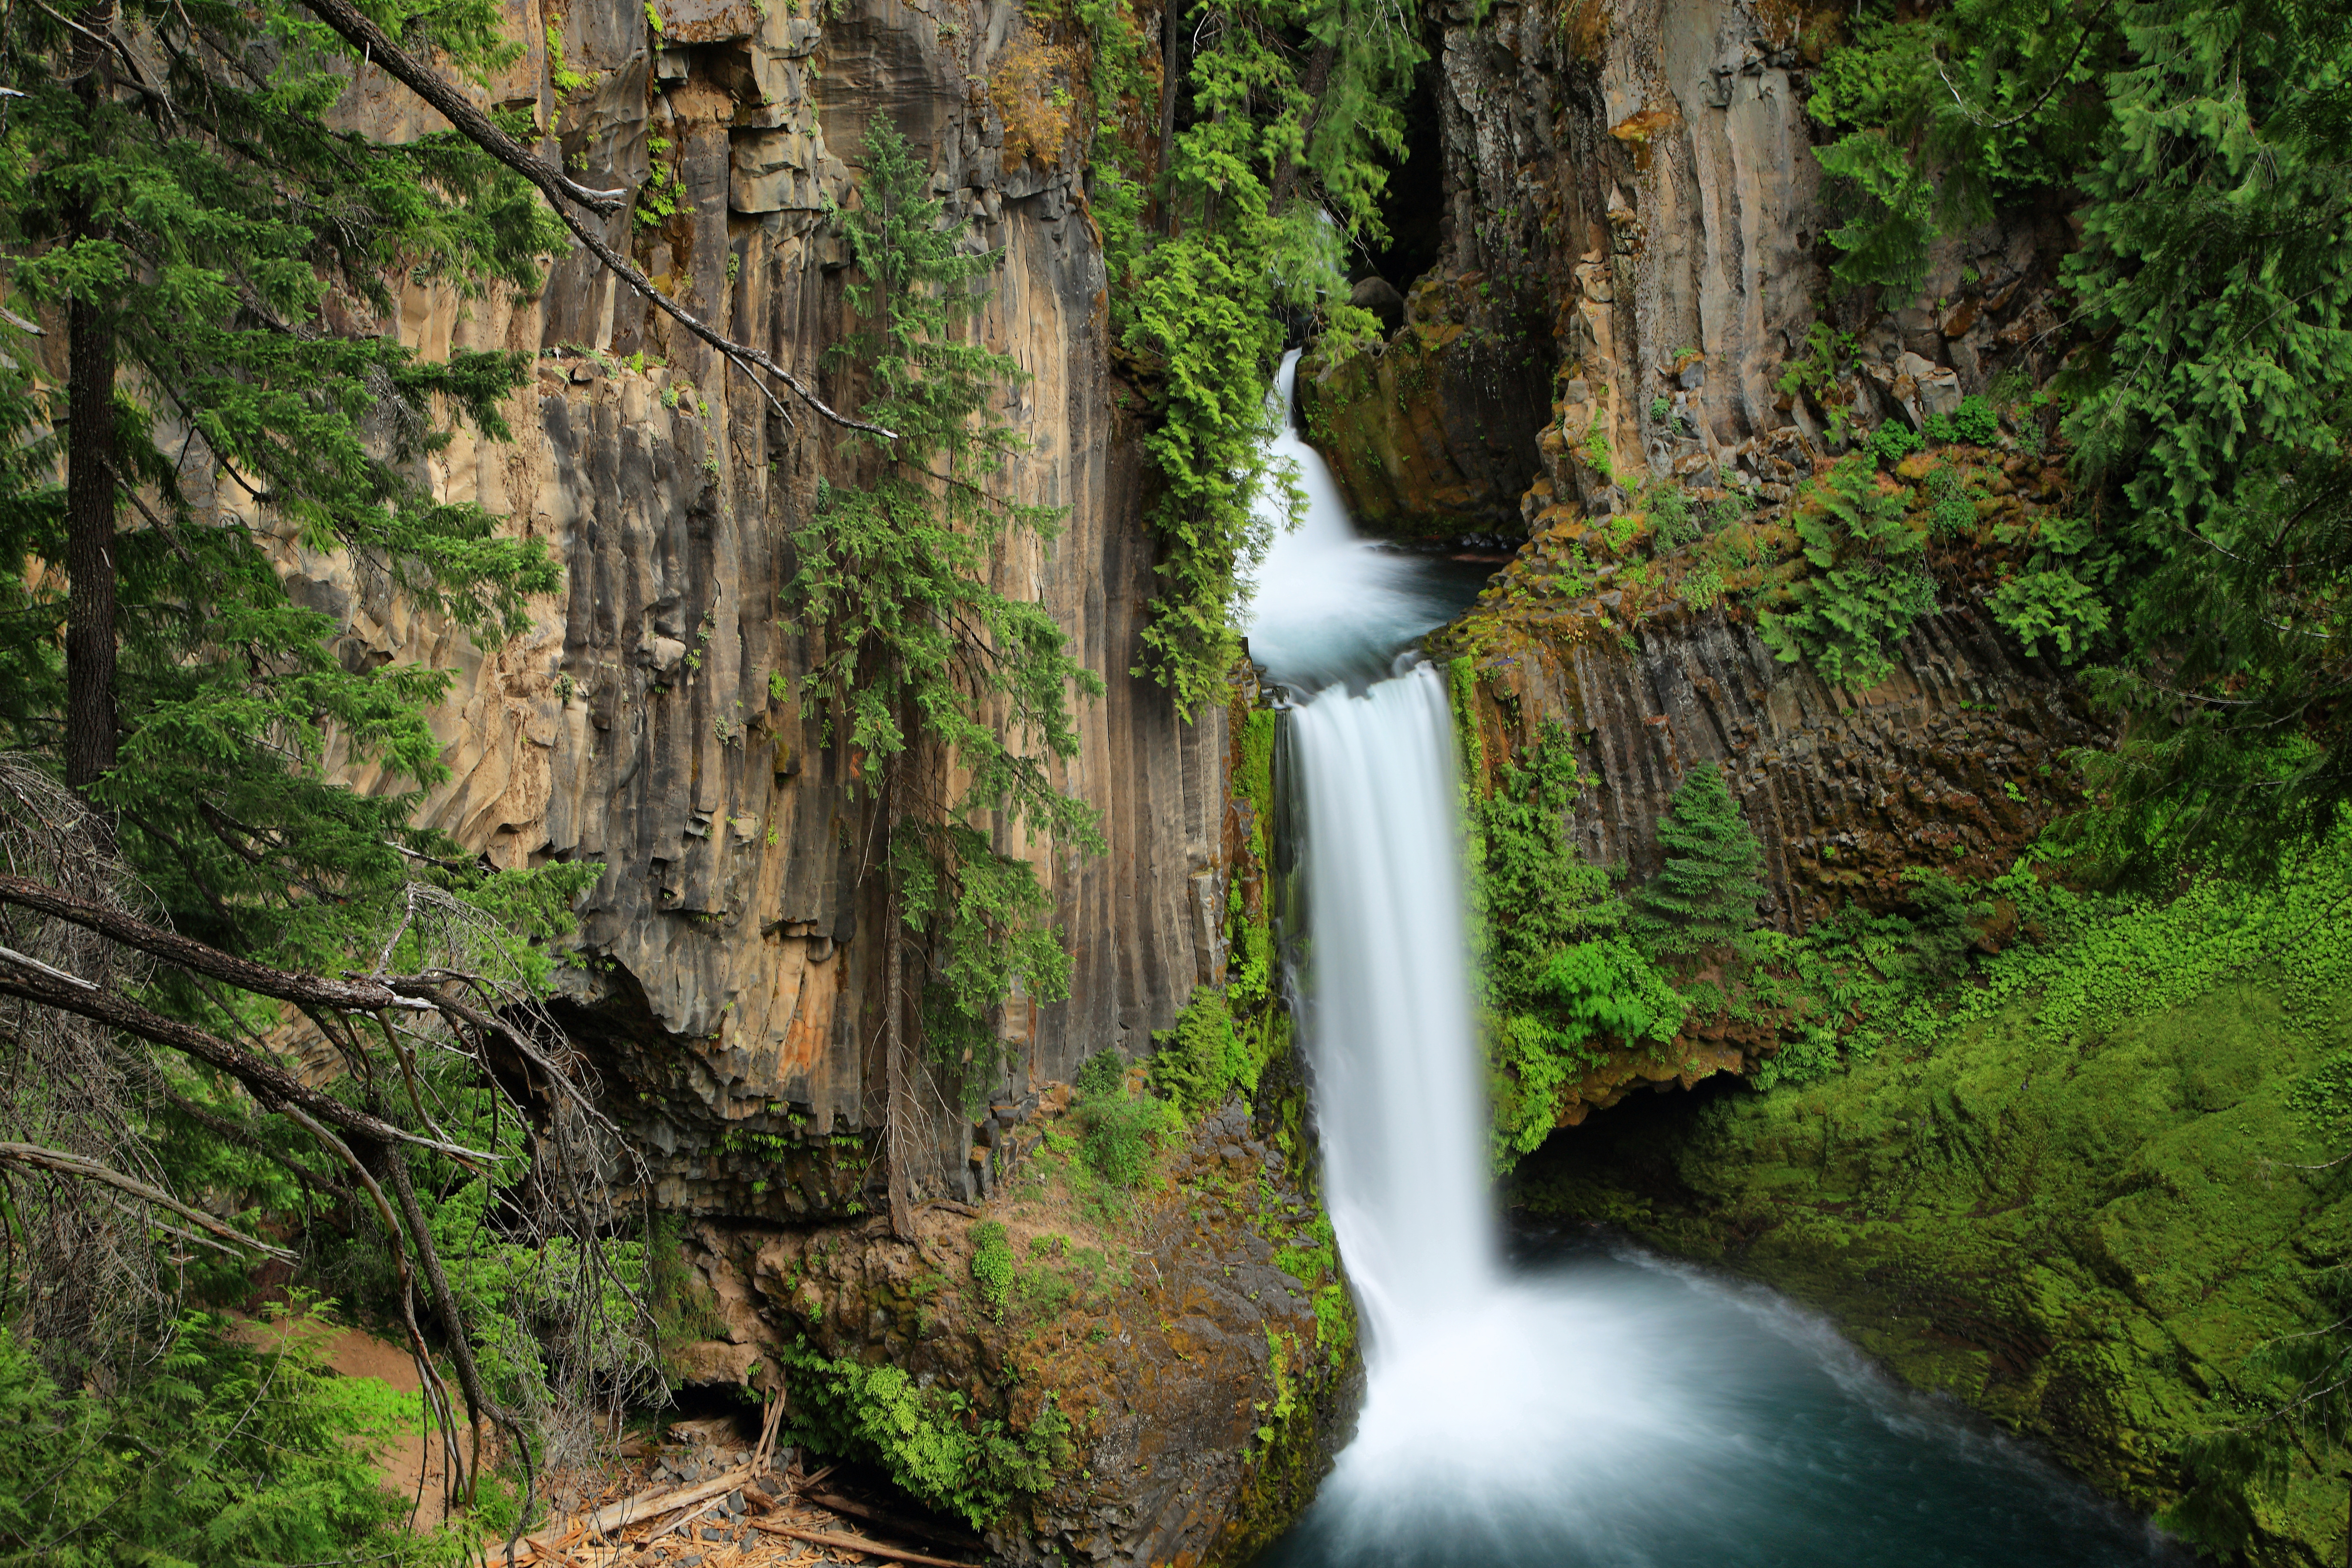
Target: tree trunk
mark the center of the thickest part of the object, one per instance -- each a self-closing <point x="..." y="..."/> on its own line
<point x="1172" y="63"/>
<point x="90" y="548"/>
<point x="90" y="478"/>
<point x="897" y="1102"/>
<point x="1318" y="78"/>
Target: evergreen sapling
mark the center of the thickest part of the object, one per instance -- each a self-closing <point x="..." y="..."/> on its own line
<point x="1707" y="891"/>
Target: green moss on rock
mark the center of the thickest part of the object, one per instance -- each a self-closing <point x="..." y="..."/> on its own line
<point x="2077" y="1196"/>
<point x="1434" y="434"/>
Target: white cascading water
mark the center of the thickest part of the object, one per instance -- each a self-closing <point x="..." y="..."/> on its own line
<point x="1397" y="1098"/>
<point x="1341" y="605"/>
<point x="1609" y="1410"/>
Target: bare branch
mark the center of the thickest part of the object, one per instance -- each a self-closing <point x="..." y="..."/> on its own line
<point x="562" y="193"/>
<point x="65" y="1164"/>
<point x="345" y="996"/>
<point x="373" y="43"/>
<point x="272" y="1085"/>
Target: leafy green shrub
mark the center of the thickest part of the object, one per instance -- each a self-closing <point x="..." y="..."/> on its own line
<point x="1204" y="1057"/>
<point x="227" y="1457"/>
<point x="1608" y="987"/>
<point x="1585" y="995"/>
<point x="1953" y="512"/>
<point x="991" y="1266"/>
<point x="1894" y="441"/>
<point x="2053" y="604"/>
<point x="1596" y="448"/>
<point x="1659" y="410"/>
<point x="1117" y="1136"/>
<point x="1946" y="926"/>
<point x="929" y="1440"/>
<point x="1532" y="892"/>
<point x="1858" y="602"/>
<point x="1103" y="1073"/>
<point x="1976" y="421"/>
<point x="1114" y="1126"/>
<point x="1707" y="891"/>
<point x="1555" y="976"/>
<point x="1818" y="363"/>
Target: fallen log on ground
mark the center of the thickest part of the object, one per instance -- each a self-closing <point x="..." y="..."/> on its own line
<point x="856" y="1543"/>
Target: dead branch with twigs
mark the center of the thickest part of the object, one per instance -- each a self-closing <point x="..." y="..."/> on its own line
<point x="443" y="1002"/>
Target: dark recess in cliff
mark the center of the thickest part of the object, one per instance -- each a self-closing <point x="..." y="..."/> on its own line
<point x="1413" y="206"/>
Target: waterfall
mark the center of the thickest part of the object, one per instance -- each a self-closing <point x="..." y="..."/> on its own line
<point x="1398" y="1101"/>
<point x="1333" y="606"/>
<point x="1607" y="1411"/>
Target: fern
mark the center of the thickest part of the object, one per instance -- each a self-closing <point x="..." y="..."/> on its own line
<point x="2053" y="604"/>
<point x="1845" y="618"/>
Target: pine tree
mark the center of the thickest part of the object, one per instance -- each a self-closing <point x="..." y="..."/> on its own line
<point x="932" y="671"/>
<point x="222" y="262"/>
<point x="202" y="272"/>
<point x="1707" y="891"/>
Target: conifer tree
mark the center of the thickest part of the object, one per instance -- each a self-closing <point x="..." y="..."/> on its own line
<point x="200" y="370"/>
<point x="931" y="670"/>
<point x="1707" y="891"/>
<point x="190" y="220"/>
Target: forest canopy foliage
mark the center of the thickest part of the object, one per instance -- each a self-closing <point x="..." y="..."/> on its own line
<point x="2204" y="152"/>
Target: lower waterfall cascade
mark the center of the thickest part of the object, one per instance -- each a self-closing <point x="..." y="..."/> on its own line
<point x="1583" y="1402"/>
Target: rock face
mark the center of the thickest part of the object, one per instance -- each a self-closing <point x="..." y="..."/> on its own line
<point x="1433" y="436"/>
<point x="1639" y="181"/>
<point x="728" y="982"/>
<point x="1205" y="1396"/>
<point x="649" y="721"/>
<point x="1955" y="761"/>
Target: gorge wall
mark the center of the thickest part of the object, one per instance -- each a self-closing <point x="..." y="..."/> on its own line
<point x="649" y="721"/>
<point x="727" y="976"/>
<point x="1632" y="241"/>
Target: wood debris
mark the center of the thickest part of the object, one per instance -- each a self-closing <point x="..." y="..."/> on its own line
<point x="748" y="1514"/>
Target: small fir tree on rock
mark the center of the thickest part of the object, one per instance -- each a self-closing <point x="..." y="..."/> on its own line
<point x="1707" y="890"/>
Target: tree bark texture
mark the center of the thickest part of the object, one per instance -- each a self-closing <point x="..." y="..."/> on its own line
<point x="91" y="717"/>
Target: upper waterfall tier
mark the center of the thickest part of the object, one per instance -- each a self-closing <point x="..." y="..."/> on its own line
<point x="1330" y="606"/>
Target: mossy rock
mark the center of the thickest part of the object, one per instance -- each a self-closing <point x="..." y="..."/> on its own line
<point x="1434" y="435"/>
<point x="2081" y="1232"/>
